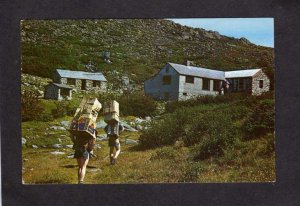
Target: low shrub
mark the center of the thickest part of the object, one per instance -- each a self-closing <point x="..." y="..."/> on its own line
<point x="137" y="104"/>
<point x="192" y="172"/>
<point x="261" y="120"/>
<point x="31" y="107"/>
<point x="63" y="108"/>
<point x="233" y="97"/>
<point x="164" y="153"/>
<point x="167" y="130"/>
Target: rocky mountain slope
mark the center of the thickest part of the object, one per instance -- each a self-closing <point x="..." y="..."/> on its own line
<point x="138" y="47"/>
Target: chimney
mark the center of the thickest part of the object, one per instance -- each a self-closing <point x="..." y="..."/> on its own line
<point x="189" y="63"/>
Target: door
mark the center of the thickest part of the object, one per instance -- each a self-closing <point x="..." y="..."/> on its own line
<point x="83" y="84"/>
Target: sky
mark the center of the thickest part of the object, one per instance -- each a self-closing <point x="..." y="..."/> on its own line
<point x="259" y="31"/>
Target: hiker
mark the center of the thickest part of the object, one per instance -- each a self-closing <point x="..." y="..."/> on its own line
<point x="83" y="151"/>
<point x="113" y="131"/>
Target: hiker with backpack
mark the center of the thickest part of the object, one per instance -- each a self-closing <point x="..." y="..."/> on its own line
<point x="113" y="130"/>
<point x="83" y="151"/>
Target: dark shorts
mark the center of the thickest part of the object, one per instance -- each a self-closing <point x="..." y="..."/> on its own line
<point x="81" y="153"/>
<point x="113" y="141"/>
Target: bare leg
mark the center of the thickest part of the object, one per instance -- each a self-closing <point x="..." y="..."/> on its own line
<point x="118" y="149"/>
<point x="111" y="153"/>
<point x="82" y="163"/>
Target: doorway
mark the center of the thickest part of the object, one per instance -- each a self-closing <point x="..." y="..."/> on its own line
<point x="83" y="84"/>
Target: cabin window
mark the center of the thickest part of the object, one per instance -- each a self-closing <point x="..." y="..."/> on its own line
<point x="205" y="84"/>
<point x="65" y="92"/>
<point x="247" y="84"/>
<point x="189" y="79"/>
<point x="217" y="85"/>
<point x="241" y="84"/>
<point x="167" y="80"/>
<point x="71" y="81"/>
<point x="96" y="83"/>
<point x="261" y="84"/>
<point x="235" y="83"/>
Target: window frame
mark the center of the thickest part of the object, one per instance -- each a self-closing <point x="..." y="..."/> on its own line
<point x="216" y="85"/>
<point x="71" y="81"/>
<point x="167" y="80"/>
<point x="204" y="85"/>
<point x="189" y="79"/>
<point x="261" y="83"/>
<point x="96" y="83"/>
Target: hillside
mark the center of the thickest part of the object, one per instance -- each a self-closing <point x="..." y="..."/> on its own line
<point x="138" y="47"/>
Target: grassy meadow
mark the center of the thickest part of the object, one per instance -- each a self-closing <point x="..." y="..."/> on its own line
<point x="209" y="139"/>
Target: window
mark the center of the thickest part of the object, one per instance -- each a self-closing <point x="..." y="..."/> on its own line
<point x="71" y="81"/>
<point x="217" y="85"/>
<point x="167" y="70"/>
<point x="65" y="92"/>
<point x="235" y="85"/>
<point x="241" y="84"/>
<point x="167" y="80"/>
<point x="96" y="83"/>
<point x="189" y="79"/>
<point x="247" y="84"/>
<point x="205" y="84"/>
<point x="261" y="84"/>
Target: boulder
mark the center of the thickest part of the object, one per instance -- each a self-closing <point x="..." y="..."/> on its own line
<point x="131" y="141"/>
<point x="57" y="153"/>
<point x="64" y="123"/>
<point x="57" y="128"/>
<point x="57" y="146"/>
<point x="139" y="127"/>
<point x="23" y="141"/>
<point x="34" y="146"/>
<point x="101" y="124"/>
<point x="102" y="137"/>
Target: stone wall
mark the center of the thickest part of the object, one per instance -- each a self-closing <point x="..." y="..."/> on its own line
<point x="89" y="85"/>
<point x="256" y="90"/>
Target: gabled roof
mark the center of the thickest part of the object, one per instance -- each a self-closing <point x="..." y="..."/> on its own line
<point x="241" y="73"/>
<point x="198" y="71"/>
<point x="98" y="76"/>
<point x="61" y="86"/>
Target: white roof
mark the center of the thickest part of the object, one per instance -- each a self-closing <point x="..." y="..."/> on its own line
<point x="241" y="73"/>
<point x="198" y="71"/>
<point x="81" y="75"/>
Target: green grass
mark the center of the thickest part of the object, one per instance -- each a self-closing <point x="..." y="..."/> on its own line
<point x="240" y="160"/>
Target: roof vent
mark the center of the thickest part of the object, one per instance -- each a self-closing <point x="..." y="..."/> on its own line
<point x="189" y="63"/>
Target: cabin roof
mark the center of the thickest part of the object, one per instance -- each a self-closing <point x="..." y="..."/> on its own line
<point x="98" y="76"/>
<point x="198" y="71"/>
<point x="241" y="73"/>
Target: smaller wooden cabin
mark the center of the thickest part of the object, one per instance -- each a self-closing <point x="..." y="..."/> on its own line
<point x="58" y="91"/>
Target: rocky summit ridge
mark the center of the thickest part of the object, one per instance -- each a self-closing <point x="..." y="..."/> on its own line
<point x="137" y="48"/>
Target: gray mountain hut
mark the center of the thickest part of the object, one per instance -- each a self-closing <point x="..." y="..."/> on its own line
<point x="58" y="91"/>
<point x="74" y="81"/>
<point x="181" y="82"/>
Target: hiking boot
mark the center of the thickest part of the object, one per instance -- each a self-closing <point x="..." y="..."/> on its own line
<point x="113" y="161"/>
